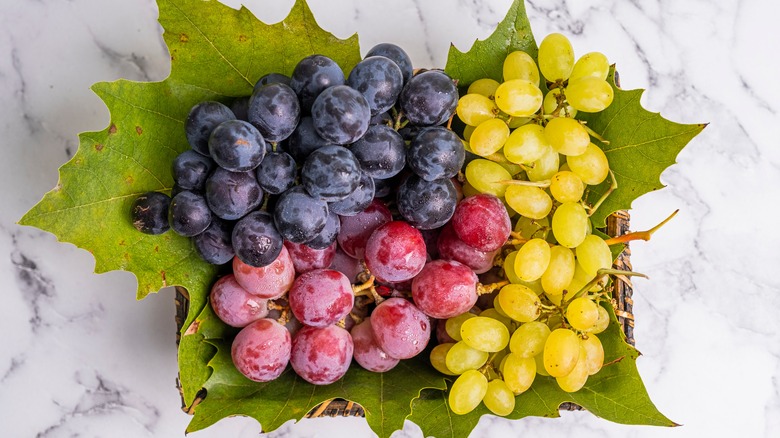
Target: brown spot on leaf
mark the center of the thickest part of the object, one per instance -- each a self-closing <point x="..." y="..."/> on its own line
<point x="122" y="242"/>
<point x="156" y="248"/>
<point x="127" y="256"/>
<point x="184" y="38"/>
<point x="129" y="179"/>
<point x="242" y="38"/>
<point x="193" y="328"/>
<point x="139" y="130"/>
<point x="112" y="129"/>
<point x="164" y="281"/>
<point x="98" y="147"/>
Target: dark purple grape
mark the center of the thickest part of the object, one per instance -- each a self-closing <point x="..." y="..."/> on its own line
<point x="429" y="98"/>
<point x="274" y="110"/>
<point x="215" y="245"/>
<point x="330" y="173"/>
<point x="277" y="172"/>
<point x="358" y="200"/>
<point x="327" y="236"/>
<point x="256" y="240"/>
<point x="237" y="146"/>
<point x="409" y="132"/>
<point x="240" y="108"/>
<point x="272" y="78"/>
<point x="190" y="170"/>
<point x="397" y="55"/>
<point x="381" y="152"/>
<point x="384" y="187"/>
<point x="341" y="115"/>
<point x="202" y="120"/>
<point x="231" y="195"/>
<point x="189" y="214"/>
<point x="379" y="80"/>
<point x="298" y="216"/>
<point x="321" y="355"/>
<point x="305" y="140"/>
<point x="427" y="204"/>
<point x="261" y="350"/>
<point x="436" y="153"/>
<point x="312" y="75"/>
<point x="234" y="305"/>
<point x="381" y="119"/>
<point x="149" y="213"/>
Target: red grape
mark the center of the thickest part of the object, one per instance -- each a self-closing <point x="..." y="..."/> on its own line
<point x="445" y="288"/>
<point x="355" y="230"/>
<point x="395" y="252"/>
<point x="261" y="350"/>
<point x="452" y="248"/>
<point x="481" y="221"/>
<point x="321" y="355"/>
<point x="307" y="259"/>
<point x="367" y="352"/>
<point x="321" y="297"/>
<point x="400" y="328"/>
<point x="269" y="281"/>
<point x="234" y="305"/>
<point x="347" y="265"/>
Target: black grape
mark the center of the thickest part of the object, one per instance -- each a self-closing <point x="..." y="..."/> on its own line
<point x="305" y="140"/>
<point x="381" y="152"/>
<point x="312" y="75"/>
<point x="397" y="55"/>
<point x="202" y="120"/>
<point x="275" y="111"/>
<point x="237" y="146"/>
<point x="190" y="170"/>
<point x="215" y="244"/>
<point x="189" y="214"/>
<point x="240" y="108"/>
<point x="358" y="200"/>
<point x="272" y="78"/>
<point x="277" y="172"/>
<point x="379" y="80"/>
<point x="426" y="204"/>
<point x="429" y="98"/>
<point x="330" y="173"/>
<point x="436" y="153"/>
<point x="298" y="216"/>
<point x="328" y="234"/>
<point x="256" y="240"/>
<point x="231" y="195"/>
<point x="150" y="213"/>
<point x="341" y="115"/>
<point x="381" y="119"/>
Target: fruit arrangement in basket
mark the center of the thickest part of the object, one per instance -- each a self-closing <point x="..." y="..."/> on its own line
<point x="339" y="222"/>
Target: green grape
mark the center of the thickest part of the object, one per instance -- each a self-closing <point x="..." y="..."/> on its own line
<point x="590" y="64"/>
<point x="570" y="224"/>
<point x="561" y="352"/>
<point x="555" y="299"/>
<point x="497" y="306"/>
<point x="550" y="104"/>
<point x="528" y="340"/>
<point x="452" y="326"/>
<point x="519" y="303"/>
<point x="580" y="279"/>
<point x="499" y="398"/>
<point x="567" y="136"/>
<point x="469" y="190"/>
<point x="467" y="131"/>
<point x="564" y="167"/>
<point x="485" y="334"/>
<point x="544" y="168"/>
<point x="531" y="228"/>
<point x="462" y="358"/>
<point x="520" y="65"/>
<point x="485" y="87"/>
<point x="484" y="175"/>
<point x="519" y="98"/>
<point x="512" y="168"/>
<point x="492" y="313"/>
<point x="602" y="323"/>
<point x="566" y="186"/>
<point x="593" y="254"/>
<point x="528" y="201"/>
<point x="516" y="122"/>
<point x="519" y="372"/>
<point x="575" y="380"/>
<point x="467" y="391"/>
<point x="474" y="109"/>
<point x="594" y="354"/>
<point x="592" y="166"/>
<point x="539" y="359"/>
<point x="526" y="144"/>
<point x="489" y="137"/>
<point x="438" y="358"/>
<point x="560" y="270"/>
<point x="582" y="313"/>
<point x="589" y="94"/>
<point x="556" y="57"/>
<point x="511" y="275"/>
<point x="532" y="259"/>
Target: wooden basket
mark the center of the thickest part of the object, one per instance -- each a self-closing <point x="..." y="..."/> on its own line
<point x="622" y="291"/>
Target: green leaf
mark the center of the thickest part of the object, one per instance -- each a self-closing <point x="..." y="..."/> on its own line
<point x="641" y="146"/>
<point x="616" y="393"/>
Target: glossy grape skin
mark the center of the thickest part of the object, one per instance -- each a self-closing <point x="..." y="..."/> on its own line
<point x="356" y="230"/>
<point x="330" y="173"/>
<point x="191" y="169"/>
<point x="380" y="80"/>
<point x="321" y="297"/>
<point x="426" y="204"/>
<point x="582" y="313"/>
<point x="277" y="172"/>
<point x="499" y="398"/>
<point x="215" y="244"/>
<point x="231" y="195"/>
<point x="602" y="323"/>
<point x="234" y="305"/>
<point x="594" y="353"/>
<point x="485" y="334"/>
<point x="593" y="254"/>
<point x="545" y="167"/>
<point x="592" y="166"/>
<point x="275" y="111"/>
<point x="467" y="392"/>
<point x="526" y="144"/>
<point x="560" y="270"/>
<point x="519" y="303"/>
<point x="341" y="115"/>
<point x="358" y="200"/>
<point x="484" y="87"/>
<point x="452" y="248"/>
<point x="561" y="352"/>
<point x="489" y="137"/>
<point x="474" y="109"/>
<point x="237" y="146"/>
<point x="529" y="339"/>
<point x="566" y="186"/>
<point x="367" y="352"/>
<point x="452" y="325"/>
<point x="485" y="176"/>
<point x="395" y="54"/>
<point x="519" y="98"/>
<point x="255" y="239"/>
<point x="578" y="376"/>
<point x="556" y="57"/>
<point x="149" y="213"/>
<point x="589" y="94"/>
<point x="570" y="224"/>
<point x="445" y="288"/>
<point x="429" y="98"/>
<point x="189" y="214"/>
<point x="395" y="252"/>
<point x="400" y="329"/>
<point x="261" y="350"/>
<point x="321" y="355"/>
<point x="298" y="216"/>
<point x="593" y="64"/>
<point x="436" y="153"/>
<point x="305" y="140"/>
<point x="381" y="152"/>
<point x="567" y="136"/>
<point x="520" y="65"/>
<point x="312" y="75"/>
<point x="307" y="259"/>
<point x="438" y="357"/>
<point x="270" y="281"/>
<point x="202" y="120"/>
<point x="328" y="235"/>
<point x="530" y="202"/>
<point x="346" y="265"/>
<point x="519" y="372"/>
<point x="481" y="221"/>
<point x="532" y="259"/>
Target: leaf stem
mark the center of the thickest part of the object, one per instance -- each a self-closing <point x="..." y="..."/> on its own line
<point x="640" y="235"/>
<point x="612" y="187"/>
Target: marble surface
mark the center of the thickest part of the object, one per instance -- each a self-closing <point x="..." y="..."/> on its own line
<point x="81" y="358"/>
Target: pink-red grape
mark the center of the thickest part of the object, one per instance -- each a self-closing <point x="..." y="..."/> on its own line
<point x="321" y="355"/>
<point x="269" y="281"/>
<point x="355" y="230"/>
<point x="481" y="221"/>
<point x="234" y="305"/>
<point x="261" y="350"/>
<point x="367" y="352"/>
<point x="452" y="248"/>
<point x="400" y="328"/>
<point x="347" y="265"/>
<point x="445" y="288"/>
<point x="307" y="259"/>
<point x="321" y="297"/>
<point x="395" y="252"/>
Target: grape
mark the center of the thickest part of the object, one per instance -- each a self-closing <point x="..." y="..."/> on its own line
<point x="189" y="214"/>
<point x="582" y="313"/>
<point x="511" y="275"/>
<point x="602" y="323"/>
<point x="567" y="136"/>
<point x="436" y="153"/>
<point x="236" y="146"/>
<point x="519" y="372"/>
<point x="321" y="355"/>
<point x="499" y="398"/>
<point x="485" y="176"/>
<point x="256" y="240"/>
<point x="531" y="228"/>
<point x="305" y="140"/>
<point x="202" y="120"/>
<point x="429" y="98"/>
<point x="215" y="245"/>
<point x="307" y="259"/>
<point x="489" y="137"/>
<point x="550" y="104"/>
<point x="234" y="305"/>
<point x="261" y="350"/>
<point x="593" y="254"/>
<point x="380" y="81"/>
<point x="452" y="248"/>
<point x="544" y="168"/>
<point x="438" y="358"/>
<point x="485" y="334"/>
<point x="528" y="201"/>
<point x="474" y="109"/>
<point x="481" y="221"/>
<point x="560" y="271"/>
<point x="566" y="186"/>
<point x="467" y="131"/>
<point x="240" y="107"/>
<point x="381" y="152"/>
<point x="592" y="166"/>
<point x="312" y="75"/>
<point x="400" y="328"/>
<point x="441" y="332"/>
<point x="493" y="314"/>
<point x="461" y="358"/>
<point x="590" y="64"/>
<point x="444" y="289"/>
<point x="358" y="200"/>
<point x="561" y="352"/>
<point x="570" y="224"/>
<point x="367" y="352"/>
<point x="346" y="265"/>
<point x="298" y="216"/>
<point x="190" y="170"/>
<point x="589" y="94"/>
<point x="580" y="279"/>
<point x="231" y="195"/>
<point x="270" y="281"/>
<point x="275" y="111"/>
<point x="149" y="213"/>
<point x="529" y="339"/>
<point x="556" y="57"/>
<point x="277" y="172"/>
<point x="467" y="391"/>
<point x="381" y="119"/>
<point x="453" y="325"/>
<point x="341" y="115"/>
<point x="575" y="380"/>
<point x="272" y="78"/>
<point x="594" y="354"/>
<point x="519" y="98"/>
<point x="395" y="252"/>
<point x="520" y="65"/>
<point x="321" y="297"/>
<point x="484" y="87"/>
<point x="532" y="260"/>
<point x="355" y="230"/>
<point x="519" y="303"/>
<point x="327" y="236"/>
<point x="331" y="173"/>
<point x="526" y="144"/>
<point x="426" y="204"/>
<point x="397" y="55"/>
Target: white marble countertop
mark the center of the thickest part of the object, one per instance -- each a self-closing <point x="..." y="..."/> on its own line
<point x="81" y="358"/>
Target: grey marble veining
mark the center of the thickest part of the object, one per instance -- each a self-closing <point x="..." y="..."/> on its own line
<point x="81" y="358"/>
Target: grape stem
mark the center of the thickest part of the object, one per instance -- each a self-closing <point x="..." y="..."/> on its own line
<point x="367" y="289"/>
<point x="483" y="289"/>
<point x="594" y="133"/>
<point x="398" y="125"/>
<point x="612" y="187"/>
<point x="640" y="235"/>
<point x="614" y="361"/>
<point x="516" y="182"/>
<point x="495" y="157"/>
<point x="599" y="274"/>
